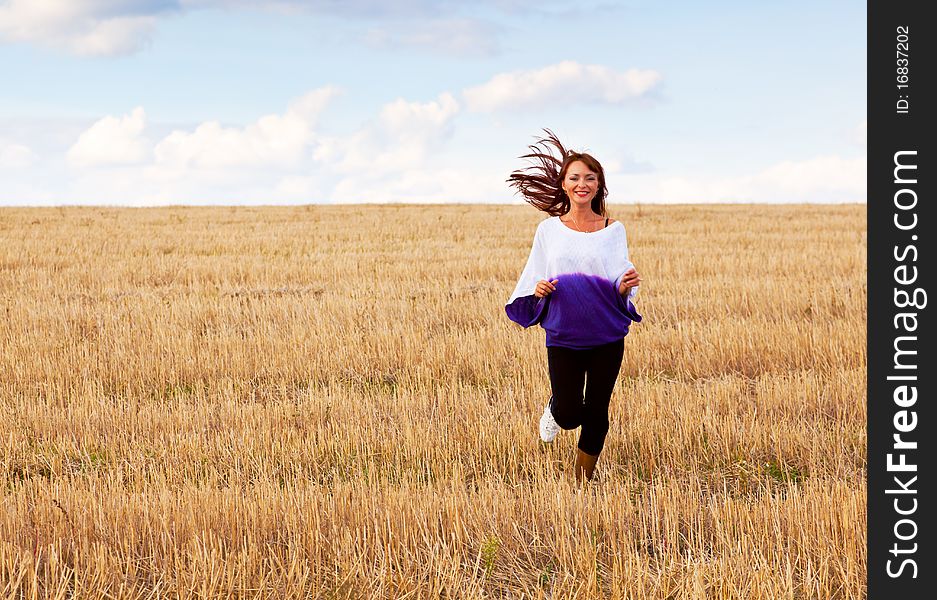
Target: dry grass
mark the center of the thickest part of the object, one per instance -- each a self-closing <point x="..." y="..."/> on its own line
<point x="329" y="402"/>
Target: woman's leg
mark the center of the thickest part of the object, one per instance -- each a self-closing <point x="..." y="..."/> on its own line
<point x="602" y="373"/>
<point x="584" y="466"/>
<point x="567" y="378"/>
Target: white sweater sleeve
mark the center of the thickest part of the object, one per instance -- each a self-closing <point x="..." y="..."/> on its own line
<point x="523" y="307"/>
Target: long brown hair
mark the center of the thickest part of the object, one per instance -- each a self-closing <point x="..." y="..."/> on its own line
<point x="541" y="183"/>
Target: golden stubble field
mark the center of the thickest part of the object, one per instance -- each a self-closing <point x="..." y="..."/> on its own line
<point x="329" y="402"/>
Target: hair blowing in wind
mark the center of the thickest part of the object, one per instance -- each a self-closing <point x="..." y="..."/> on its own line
<point x="541" y="182"/>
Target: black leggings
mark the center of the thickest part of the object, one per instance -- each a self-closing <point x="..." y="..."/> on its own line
<point x="596" y="369"/>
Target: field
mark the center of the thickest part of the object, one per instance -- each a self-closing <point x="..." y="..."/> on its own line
<point x="329" y="402"/>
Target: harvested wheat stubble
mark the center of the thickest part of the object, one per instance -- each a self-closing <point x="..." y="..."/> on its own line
<point x="330" y="402"/>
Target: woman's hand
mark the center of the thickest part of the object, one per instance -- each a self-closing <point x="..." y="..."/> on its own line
<point x="545" y="288"/>
<point x="629" y="280"/>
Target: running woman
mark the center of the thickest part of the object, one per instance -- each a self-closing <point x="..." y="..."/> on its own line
<point x="579" y="285"/>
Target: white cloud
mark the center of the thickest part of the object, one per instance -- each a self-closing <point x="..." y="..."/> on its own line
<point x="273" y="140"/>
<point x="458" y="36"/>
<point x="387" y="160"/>
<point x="120" y="27"/>
<point x="112" y="141"/>
<point x="266" y="161"/>
<point x="816" y="177"/>
<point x="372" y="9"/>
<point x="625" y="164"/>
<point x="83" y="27"/>
<point x="425" y="185"/>
<point x="823" y="179"/>
<point x="402" y="136"/>
<point x="415" y="120"/>
<point x="302" y="188"/>
<point x="402" y="154"/>
<point x="563" y="84"/>
<point x="16" y="156"/>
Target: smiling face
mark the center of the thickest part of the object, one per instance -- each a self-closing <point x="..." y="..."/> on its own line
<point x="580" y="183"/>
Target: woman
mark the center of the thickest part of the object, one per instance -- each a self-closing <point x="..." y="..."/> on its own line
<point x="578" y="284"/>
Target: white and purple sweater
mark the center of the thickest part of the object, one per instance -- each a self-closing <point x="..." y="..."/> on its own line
<point x="586" y="309"/>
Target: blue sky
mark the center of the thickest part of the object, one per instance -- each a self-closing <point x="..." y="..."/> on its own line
<point x="291" y="102"/>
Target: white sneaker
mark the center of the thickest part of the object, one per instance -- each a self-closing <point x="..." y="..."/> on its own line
<point x="548" y="426"/>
